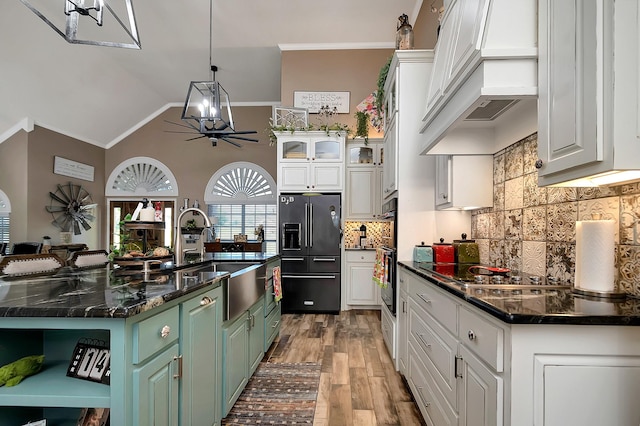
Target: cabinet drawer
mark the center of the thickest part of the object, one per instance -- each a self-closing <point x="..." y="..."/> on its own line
<point x="271" y="328"/>
<point x="155" y="333"/>
<point x="440" y="306"/>
<point x="432" y="406"/>
<point x="368" y="256"/>
<point x="388" y="331"/>
<point x="438" y="348"/>
<point x="269" y="299"/>
<point x="483" y="338"/>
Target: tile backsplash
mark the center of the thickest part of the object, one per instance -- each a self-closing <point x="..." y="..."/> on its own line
<point x="532" y="229"/>
<point x="375" y="231"/>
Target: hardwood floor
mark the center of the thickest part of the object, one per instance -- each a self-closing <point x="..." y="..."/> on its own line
<point x="358" y="382"/>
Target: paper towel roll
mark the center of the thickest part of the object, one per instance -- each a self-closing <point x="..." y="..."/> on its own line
<point x="595" y="255"/>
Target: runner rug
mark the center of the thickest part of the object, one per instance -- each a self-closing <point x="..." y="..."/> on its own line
<point x="278" y="394"/>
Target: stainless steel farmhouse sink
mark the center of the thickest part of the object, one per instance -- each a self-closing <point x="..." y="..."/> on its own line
<point x="243" y="288"/>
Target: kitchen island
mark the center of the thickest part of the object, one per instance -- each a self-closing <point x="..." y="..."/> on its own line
<point x="546" y="356"/>
<point x="162" y="331"/>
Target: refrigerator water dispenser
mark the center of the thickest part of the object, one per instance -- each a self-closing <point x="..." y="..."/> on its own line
<point x="291" y="236"/>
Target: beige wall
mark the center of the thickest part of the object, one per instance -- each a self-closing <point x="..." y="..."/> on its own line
<point x="354" y="71"/>
<point x="425" y="27"/>
<point x="26" y="176"/>
<point x="194" y="162"/>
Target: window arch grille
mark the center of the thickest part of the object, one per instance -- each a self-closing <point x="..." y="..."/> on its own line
<point x="241" y="183"/>
<point x="5" y="204"/>
<point x="141" y="176"/>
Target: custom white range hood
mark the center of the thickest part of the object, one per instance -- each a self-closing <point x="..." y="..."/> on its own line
<point x="483" y="91"/>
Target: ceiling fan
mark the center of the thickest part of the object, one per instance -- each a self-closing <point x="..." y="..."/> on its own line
<point x="207" y="109"/>
<point x="215" y="133"/>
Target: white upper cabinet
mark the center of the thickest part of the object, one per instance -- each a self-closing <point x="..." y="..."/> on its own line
<point x="310" y="161"/>
<point x="589" y="120"/>
<point x="464" y="182"/>
<point x="363" y="193"/>
<point x="484" y="75"/>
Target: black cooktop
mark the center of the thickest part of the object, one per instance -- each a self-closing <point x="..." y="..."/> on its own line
<point x="471" y="274"/>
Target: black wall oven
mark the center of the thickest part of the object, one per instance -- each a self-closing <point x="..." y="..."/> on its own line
<point x="389" y="244"/>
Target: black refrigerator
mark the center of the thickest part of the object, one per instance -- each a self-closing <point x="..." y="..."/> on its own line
<point x="310" y="236"/>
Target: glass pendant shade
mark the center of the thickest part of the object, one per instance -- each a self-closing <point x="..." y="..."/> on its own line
<point x="404" y="34"/>
<point x="207" y="108"/>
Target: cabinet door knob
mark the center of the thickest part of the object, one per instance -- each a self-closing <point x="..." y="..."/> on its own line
<point x="164" y="331"/>
<point x="538" y="163"/>
<point x="471" y="335"/>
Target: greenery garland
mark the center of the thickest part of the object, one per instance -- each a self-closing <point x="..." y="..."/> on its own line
<point x="382" y="78"/>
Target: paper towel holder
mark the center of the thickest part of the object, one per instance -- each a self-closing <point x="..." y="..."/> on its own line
<point x="592" y="294"/>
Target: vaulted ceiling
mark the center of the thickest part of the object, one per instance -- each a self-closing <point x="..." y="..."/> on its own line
<point x="99" y="94"/>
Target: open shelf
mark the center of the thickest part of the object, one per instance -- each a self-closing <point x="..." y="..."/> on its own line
<point x="52" y="388"/>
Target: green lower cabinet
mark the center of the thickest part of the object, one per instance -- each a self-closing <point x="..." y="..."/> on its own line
<point x="201" y="344"/>
<point x="256" y="336"/>
<point x="155" y="390"/>
<point x="271" y="326"/>
<point x="236" y="360"/>
<point x="243" y="349"/>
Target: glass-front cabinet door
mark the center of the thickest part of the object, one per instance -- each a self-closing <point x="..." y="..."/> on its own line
<point x="360" y="155"/>
<point x="295" y="150"/>
<point x="327" y="149"/>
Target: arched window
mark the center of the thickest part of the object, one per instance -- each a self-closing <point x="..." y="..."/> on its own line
<point x="129" y="182"/>
<point x="241" y="196"/>
<point x="5" y="210"/>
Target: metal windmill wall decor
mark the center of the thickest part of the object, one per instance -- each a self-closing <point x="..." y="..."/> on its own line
<point x="70" y="205"/>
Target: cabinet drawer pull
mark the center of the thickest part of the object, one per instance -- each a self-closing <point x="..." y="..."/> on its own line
<point x="178" y="359"/>
<point x="275" y="324"/>
<point x="206" y="301"/>
<point x="423" y="297"/>
<point x="422" y="339"/>
<point x="471" y="335"/>
<point x="426" y="403"/>
<point x="164" y="331"/>
<point x="404" y="307"/>
<point x="457" y="371"/>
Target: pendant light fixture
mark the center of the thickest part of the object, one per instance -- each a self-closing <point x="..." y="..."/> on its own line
<point x="110" y="23"/>
<point x="208" y="109"/>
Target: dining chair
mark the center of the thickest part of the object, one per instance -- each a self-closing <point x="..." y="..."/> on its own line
<point x="26" y="248"/>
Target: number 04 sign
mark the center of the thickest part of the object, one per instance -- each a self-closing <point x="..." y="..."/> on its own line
<point x="90" y="361"/>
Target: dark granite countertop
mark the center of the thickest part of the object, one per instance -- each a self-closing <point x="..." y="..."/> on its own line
<point x="543" y="306"/>
<point x="109" y="292"/>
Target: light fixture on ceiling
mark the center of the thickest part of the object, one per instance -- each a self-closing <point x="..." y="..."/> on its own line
<point x="208" y="109"/>
<point x="66" y="16"/>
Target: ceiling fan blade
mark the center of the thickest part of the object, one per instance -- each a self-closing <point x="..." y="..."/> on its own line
<point x="179" y="124"/>
<point x="177" y="131"/>
<point x="241" y="138"/>
<point x="231" y="142"/>
<point x="56" y="209"/>
<point x="197" y="137"/>
<point x="244" y="132"/>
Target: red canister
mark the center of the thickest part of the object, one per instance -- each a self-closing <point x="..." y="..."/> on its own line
<point x="443" y="252"/>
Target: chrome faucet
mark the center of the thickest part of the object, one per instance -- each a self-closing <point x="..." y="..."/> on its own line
<point x="179" y="253"/>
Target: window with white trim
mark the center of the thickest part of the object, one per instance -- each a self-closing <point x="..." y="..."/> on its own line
<point x="5" y="210"/>
<point x="241" y="196"/>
